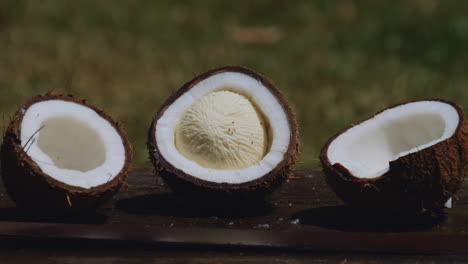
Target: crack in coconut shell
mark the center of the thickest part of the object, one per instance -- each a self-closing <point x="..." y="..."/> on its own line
<point x="418" y="182"/>
<point x="189" y="185"/>
<point x="30" y="187"/>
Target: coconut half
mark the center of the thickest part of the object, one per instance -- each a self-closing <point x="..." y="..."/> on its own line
<point x="60" y="151"/>
<point x="410" y="157"/>
<point x="227" y="131"/>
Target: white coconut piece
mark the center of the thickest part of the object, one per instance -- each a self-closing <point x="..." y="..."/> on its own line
<point x="278" y="131"/>
<point x="367" y="148"/>
<point x="448" y="204"/>
<point x="222" y="130"/>
<point x="72" y="143"/>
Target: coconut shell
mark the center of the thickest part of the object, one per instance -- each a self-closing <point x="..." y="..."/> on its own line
<point x="420" y="182"/>
<point x="30" y="187"/>
<point x="194" y="187"/>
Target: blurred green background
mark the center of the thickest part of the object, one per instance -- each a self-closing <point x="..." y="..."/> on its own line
<point x="336" y="61"/>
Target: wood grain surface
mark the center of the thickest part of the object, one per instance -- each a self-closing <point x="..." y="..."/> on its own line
<point x="302" y="222"/>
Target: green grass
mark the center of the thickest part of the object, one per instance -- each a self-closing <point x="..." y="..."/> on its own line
<point x="336" y="61"/>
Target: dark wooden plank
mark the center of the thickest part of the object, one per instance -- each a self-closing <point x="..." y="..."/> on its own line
<point x="135" y="256"/>
<point x="173" y="256"/>
<point x="303" y="214"/>
<point x="301" y="239"/>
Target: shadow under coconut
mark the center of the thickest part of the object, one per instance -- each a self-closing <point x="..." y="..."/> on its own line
<point x="168" y="204"/>
<point x="16" y="214"/>
<point x="347" y="218"/>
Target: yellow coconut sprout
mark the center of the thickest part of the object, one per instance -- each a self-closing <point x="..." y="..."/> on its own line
<point x="222" y="130"/>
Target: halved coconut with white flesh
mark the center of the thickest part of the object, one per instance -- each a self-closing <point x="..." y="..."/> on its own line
<point x="410" y="157"/>
<point x="228" y="131"/>
<point x="61" y="152"/>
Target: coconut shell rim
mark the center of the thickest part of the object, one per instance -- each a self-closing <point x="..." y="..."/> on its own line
<point x="289" y="158"/>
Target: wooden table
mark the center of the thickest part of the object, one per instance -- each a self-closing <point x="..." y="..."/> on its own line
<point x="302" y="222"/>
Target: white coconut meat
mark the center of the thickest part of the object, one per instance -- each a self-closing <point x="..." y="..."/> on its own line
<point x="367" y="149"/>
<point x="241" y="130"/>
<point x="72" y="143"/>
